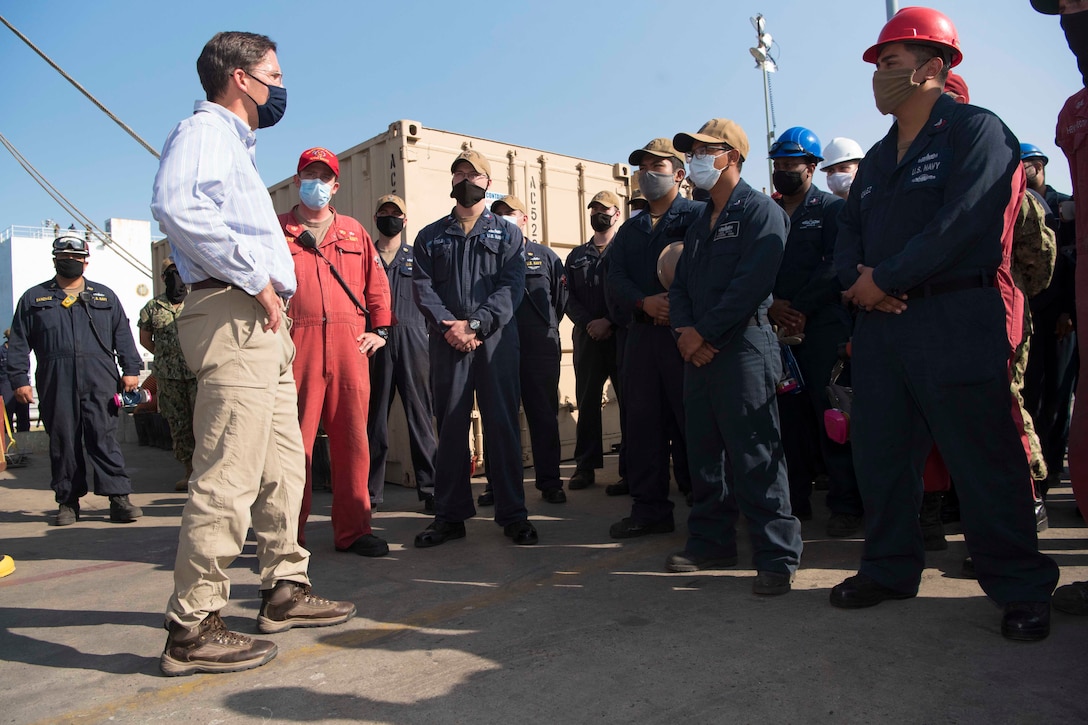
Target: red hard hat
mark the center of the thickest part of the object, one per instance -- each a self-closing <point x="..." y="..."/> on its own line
<point x="918" y="25"/>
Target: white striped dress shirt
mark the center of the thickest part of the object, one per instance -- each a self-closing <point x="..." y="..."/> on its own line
<point x="211" y="204"/>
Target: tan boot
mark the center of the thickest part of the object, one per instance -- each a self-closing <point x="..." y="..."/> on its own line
<point x="183" y="484"/>
<point x="211" y="647"/>
<point x="290" y="604"/>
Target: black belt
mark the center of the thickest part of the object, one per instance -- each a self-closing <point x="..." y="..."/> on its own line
<point x="210" y="283"/>
<point x="930" y="289"/>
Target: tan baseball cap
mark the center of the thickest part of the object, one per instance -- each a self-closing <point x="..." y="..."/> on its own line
<point x="391" y="199"/>
<point x="716" y="130"/>
<point x="513" y="202"/>
<point x="167" y="264"/>
<point x="476" y="159"/>
<point x="604" y="198"/>
<point x="659" y="147"/>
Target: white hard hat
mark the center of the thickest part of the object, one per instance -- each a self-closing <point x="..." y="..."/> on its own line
<point x="841" y="149"/>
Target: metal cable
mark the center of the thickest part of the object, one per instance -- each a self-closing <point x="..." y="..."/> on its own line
<point x="109" y="242"/>
<point x="81" y="89"/>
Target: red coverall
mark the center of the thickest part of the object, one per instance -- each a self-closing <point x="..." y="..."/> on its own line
<point x="332" y="376"/>
<point x="1072" y="138"/>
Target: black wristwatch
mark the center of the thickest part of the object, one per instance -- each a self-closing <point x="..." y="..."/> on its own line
<point x="474" y="325"/>
<point x="382" y="332"/>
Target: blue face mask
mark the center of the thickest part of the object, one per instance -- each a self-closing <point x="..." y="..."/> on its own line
<point x="271" y="111"/>
<point x="315" y="193"/>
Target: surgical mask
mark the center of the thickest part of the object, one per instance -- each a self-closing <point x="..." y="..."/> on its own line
<point x="839" y="183"/>
<point x="175" y="288"/>
<point x="271" y="111"/>
<point x="893" y="86"/>
<point x="512" y="219"/>
<point x="634" y="213"/>
<point x="69" y="268"/>
<point x="467" y="194"/>
<point x="787" y="183"/>
<point x="601" y="221"/>
<point x="315" y="193"/>
<point x="655" y="185"/>
<point x="1075" y="26"/>
<point x="389" y="226"/>
<point x="702" y="172"/>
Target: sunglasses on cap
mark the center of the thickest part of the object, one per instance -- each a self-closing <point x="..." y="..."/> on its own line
<point x="70" y="244"/>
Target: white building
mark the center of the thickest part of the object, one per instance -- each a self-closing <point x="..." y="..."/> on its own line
<point x="26" y="259"/>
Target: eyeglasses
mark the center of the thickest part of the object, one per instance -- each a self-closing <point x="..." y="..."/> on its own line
<point x="470" y="175"/>
<point x="275" y="75"/>
<point x="704" y="151"/>
<point x="69" y="244"/>
<point x="326" y="176"/>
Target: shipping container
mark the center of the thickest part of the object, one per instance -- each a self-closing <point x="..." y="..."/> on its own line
<point x="413" y="162"/>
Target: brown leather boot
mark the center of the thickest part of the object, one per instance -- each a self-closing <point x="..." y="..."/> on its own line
<point x="211" y="647"/>
<point x="183" y="483"/>
<point x="290" y="604"/>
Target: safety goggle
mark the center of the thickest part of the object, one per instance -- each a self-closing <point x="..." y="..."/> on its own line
<point x="789" y="147"/>
<point x="70" y="244"/>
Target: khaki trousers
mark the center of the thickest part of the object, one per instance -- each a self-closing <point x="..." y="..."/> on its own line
<point x="248" y="466"/>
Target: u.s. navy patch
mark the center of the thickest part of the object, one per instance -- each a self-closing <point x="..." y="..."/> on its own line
<point x="727" y="230"/>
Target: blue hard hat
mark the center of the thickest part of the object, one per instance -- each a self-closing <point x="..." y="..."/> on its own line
<point x="1031" y="151"/>
<point x="796" y="141"/>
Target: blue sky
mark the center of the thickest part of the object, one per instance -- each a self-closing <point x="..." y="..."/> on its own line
<point x="593" y="79"/>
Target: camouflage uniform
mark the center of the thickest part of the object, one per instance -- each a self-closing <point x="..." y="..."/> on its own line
<point x="1033" y="251"/>
<point x="177" y="383"/>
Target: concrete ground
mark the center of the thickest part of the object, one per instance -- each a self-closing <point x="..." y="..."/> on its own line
<point x="580" y="628"/>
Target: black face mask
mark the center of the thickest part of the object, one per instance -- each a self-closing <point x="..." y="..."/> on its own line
<point x="600" y="221"/>
<point x="787" y="183"/>
<point x="467" y="194"/>
<point x="175" y="288"/>
<point x="1075" y="26"/>
<point x="389" y="226"/>
<point x="271" y="111"/>
<point x="69" y="268"/>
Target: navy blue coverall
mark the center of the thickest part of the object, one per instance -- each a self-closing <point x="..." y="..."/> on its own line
<point x="402" y="366"/>
<point x="806" y="278"/>
<point x="480" y="276"/>
<point x="595" y="361"/>
<point x="653" y="369"/>
<point x="538" y="318"/>
<point x="931" y="227"/>
<point x="722" y="289"/>
<point x="76" y="380"/>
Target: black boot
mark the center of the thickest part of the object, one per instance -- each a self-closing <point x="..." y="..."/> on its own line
<point x="930" y="519"/>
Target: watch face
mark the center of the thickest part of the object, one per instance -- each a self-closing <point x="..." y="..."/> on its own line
<point x="474" y="324"/>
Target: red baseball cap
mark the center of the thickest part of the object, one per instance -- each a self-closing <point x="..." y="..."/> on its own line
<point x="317" y="153"/>
<point x="957" y="85"/>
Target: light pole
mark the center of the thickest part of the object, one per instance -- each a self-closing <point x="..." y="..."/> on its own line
<point x="893" y="7"/>
<point x="762" y="54"/>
